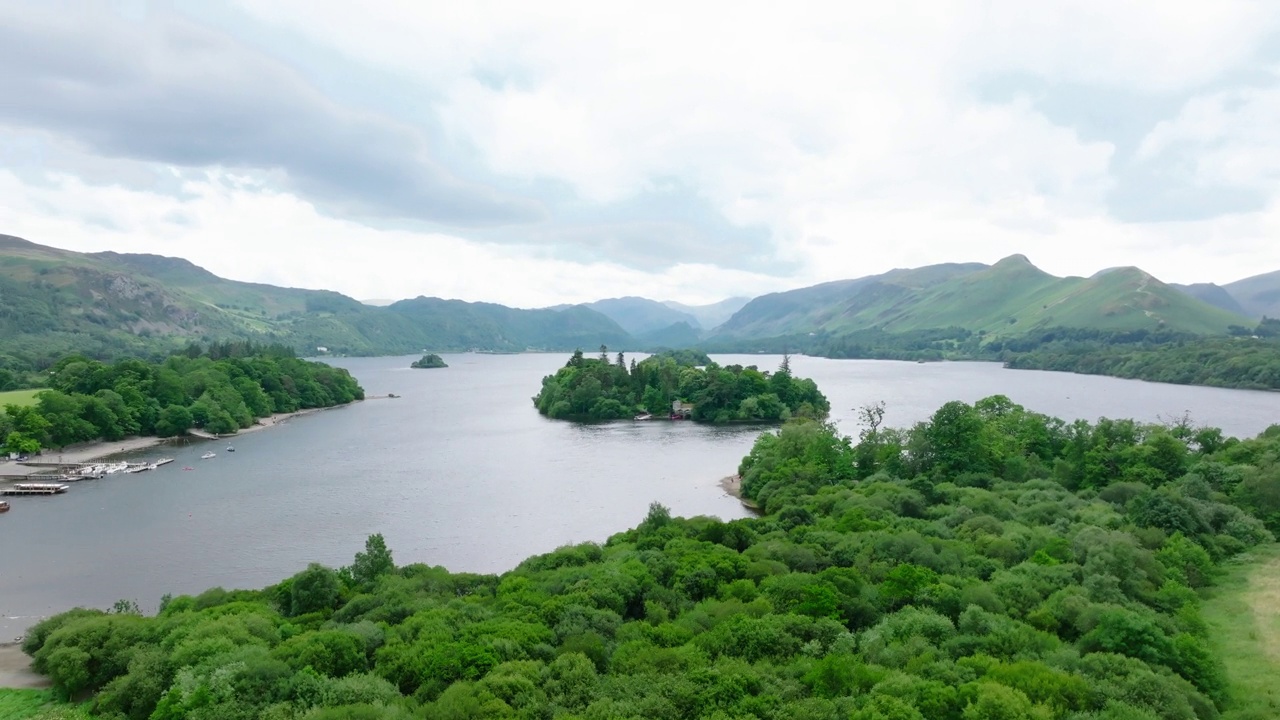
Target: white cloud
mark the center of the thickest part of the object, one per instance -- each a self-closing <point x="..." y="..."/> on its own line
<point x="233" y="226"/>
<point x="835" y="125"/>
<point x="851" y="131"/>
<point x="1223" y="138"/>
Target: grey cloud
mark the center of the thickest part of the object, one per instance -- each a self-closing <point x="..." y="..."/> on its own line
<point x="1159" y="189"/>
<point x="658" y="245"/>
<point x="168" y="90"/>
<point x="667" y="225"/>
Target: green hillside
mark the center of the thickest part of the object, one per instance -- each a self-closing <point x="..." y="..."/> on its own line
<point x="107" y="305"/>
<point x="1012" y="297"/>
<point x="834" y="304"/>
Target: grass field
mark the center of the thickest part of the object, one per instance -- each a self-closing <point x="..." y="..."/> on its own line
<point x="1244" y="619"/>
<point x="18" y="397"/>
<point x="36" y="705"/>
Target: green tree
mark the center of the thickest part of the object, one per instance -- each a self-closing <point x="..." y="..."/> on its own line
<point x="373" y="563"/>
<point x="315" y="589"/>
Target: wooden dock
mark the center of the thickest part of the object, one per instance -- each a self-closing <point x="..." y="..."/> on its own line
<point x="35" y="489"/>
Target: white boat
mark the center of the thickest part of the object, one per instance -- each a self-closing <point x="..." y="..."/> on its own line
<point x="208" y="455"/>
<point x="230" y="448"/>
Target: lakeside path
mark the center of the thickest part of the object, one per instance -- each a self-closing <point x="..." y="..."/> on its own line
<point x="89" y="452"/>
<point x="1243" y="614"/>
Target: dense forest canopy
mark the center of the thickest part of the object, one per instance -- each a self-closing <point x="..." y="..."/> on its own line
<point x="603" y="389"/>
<point x="220" y="389"/>
<point x="989" y="564"/>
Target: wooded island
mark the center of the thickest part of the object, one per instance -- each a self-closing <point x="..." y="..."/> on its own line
<point x="682" y="383"/>
<point x="429" y="361"/>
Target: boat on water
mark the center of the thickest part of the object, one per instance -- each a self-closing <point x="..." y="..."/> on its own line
<point x="230" y="449"/>
<point x="208" y="455"/>
<point x="4" y="506"/>
<point x="645" y="416"/>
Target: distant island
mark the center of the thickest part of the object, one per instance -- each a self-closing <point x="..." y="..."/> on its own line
<point x="676" y="385"/>
<point x="430" y="360"/>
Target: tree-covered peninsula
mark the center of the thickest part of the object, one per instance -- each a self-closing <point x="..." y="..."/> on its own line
<point x="681" y="383"/>
<point x="989" y="563"/>
<point x="221" y="389"/>
<point x="429" y="361"/>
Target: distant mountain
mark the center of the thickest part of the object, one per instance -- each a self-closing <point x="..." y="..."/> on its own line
<point x="1258" y="295"/>
<point x="639" y="315"/>
<point x="677" y="336"/>
<point x="458" y="325"/>
<point x="54" y="302"/>
<point x="1215" y="295"/>
<point x="833" y="305"/>
<point x="710" y="316"/>
<point x="1009" y="298"/>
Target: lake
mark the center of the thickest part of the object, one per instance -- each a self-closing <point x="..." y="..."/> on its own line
<point x="461" y="471"/>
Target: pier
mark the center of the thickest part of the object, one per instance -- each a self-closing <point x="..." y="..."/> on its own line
<point x="35" y="489"/>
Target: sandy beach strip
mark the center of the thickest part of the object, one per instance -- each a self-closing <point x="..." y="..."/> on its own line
<point x="732" y="486"/>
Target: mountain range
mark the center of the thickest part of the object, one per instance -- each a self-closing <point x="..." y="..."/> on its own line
<point x="54" y="302"/>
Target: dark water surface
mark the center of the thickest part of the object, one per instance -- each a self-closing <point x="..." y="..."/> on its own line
<point x="462" y="472"/>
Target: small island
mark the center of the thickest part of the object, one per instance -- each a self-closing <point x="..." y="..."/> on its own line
<point x="683" y="385"/>
<point x="430" y="360"/>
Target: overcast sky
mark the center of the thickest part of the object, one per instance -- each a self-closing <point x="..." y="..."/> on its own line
<point x="533" y="153"/>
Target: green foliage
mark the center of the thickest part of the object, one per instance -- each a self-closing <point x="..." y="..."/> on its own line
<point x="222" y="389"/>
<point x="35" y="704"/>
<point x="1252" y="363"/>
<point x="990" y="563"/>
<point x="373" y="563"/>
<point x="600" y="389"/>
<point x="430" y="360"/>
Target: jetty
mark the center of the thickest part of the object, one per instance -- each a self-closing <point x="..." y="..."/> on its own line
<point x="35" y="489"/>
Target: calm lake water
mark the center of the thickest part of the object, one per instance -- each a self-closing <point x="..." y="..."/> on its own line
<point x="462" y="472"/>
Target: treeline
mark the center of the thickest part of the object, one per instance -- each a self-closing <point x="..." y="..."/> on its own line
<point x="600" y="389"/>
<point x="220" y="389"/>
<point x="1249" y="359"/>
<point x="1242" y="362"/>
<point x="991" y="563"/>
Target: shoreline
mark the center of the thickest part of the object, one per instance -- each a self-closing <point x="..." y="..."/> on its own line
<point x="732" y="486"/>
<point x="16" y="672"/>
<point x="103" y="449"/>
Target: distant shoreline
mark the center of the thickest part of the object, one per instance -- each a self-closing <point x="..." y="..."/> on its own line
<point x="101" y="449"/>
